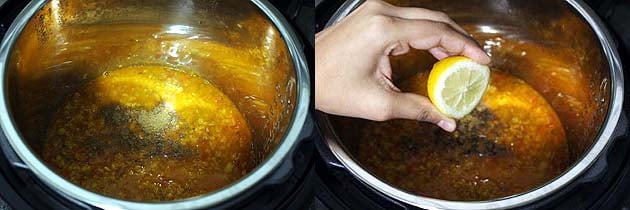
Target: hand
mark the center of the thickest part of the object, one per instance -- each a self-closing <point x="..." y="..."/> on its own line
<point x="353" y="76"/>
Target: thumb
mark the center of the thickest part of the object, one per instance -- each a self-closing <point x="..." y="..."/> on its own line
<point x="415" y="107"/>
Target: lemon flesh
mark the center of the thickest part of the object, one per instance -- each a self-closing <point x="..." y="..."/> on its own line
<point x="456" y="85"/>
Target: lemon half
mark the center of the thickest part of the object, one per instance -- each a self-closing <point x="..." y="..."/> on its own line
<point x="456" y="85"/>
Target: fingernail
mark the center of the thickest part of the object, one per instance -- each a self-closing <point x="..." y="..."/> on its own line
<point x="447" y="126"/>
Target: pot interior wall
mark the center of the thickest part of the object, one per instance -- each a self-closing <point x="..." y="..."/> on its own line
<point x="231" y="44"/>
<point x="544" y="43"/>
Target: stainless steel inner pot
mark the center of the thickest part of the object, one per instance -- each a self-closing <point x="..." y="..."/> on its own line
<point x="567" y="29"/>
<point x="245" y="48"/>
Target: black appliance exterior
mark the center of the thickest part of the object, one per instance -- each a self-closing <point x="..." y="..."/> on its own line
<point x="606" y="185"/>
<point x="289" y="187"/>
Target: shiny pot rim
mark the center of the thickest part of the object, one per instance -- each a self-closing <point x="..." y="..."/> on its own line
<point x="603" y="138"/>
<point x="287" y="145"/>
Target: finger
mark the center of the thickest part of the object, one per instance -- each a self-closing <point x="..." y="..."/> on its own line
<point x="383" y="67"/>
<point x="424" y="14"/>
<point x="399" y="49"/>
<point x="416" y="107"/>
<point x="427" y="34"/>
<point x="438" y="53"/>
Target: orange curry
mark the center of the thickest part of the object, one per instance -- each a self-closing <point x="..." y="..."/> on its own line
<point x="149" y="133"/>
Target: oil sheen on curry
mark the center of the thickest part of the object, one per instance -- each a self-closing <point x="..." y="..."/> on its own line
<point x="149" y="133"/>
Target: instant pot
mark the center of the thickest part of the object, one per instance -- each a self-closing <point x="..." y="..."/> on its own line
<point x="282" y="181"/>
<point x="598" y="180"/>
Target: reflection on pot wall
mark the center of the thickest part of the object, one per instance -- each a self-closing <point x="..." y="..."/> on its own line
<point x="70" y="43"/>
<point x="548" y="47"/>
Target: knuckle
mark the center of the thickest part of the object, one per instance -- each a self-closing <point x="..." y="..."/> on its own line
<point x="423" y="115"/>
<point x="381" y="25"/>
<point x="382" y="21"/>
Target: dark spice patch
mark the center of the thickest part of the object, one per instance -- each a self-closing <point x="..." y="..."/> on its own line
<point x="150" y="140"/>
<point x="473" y="135"/>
